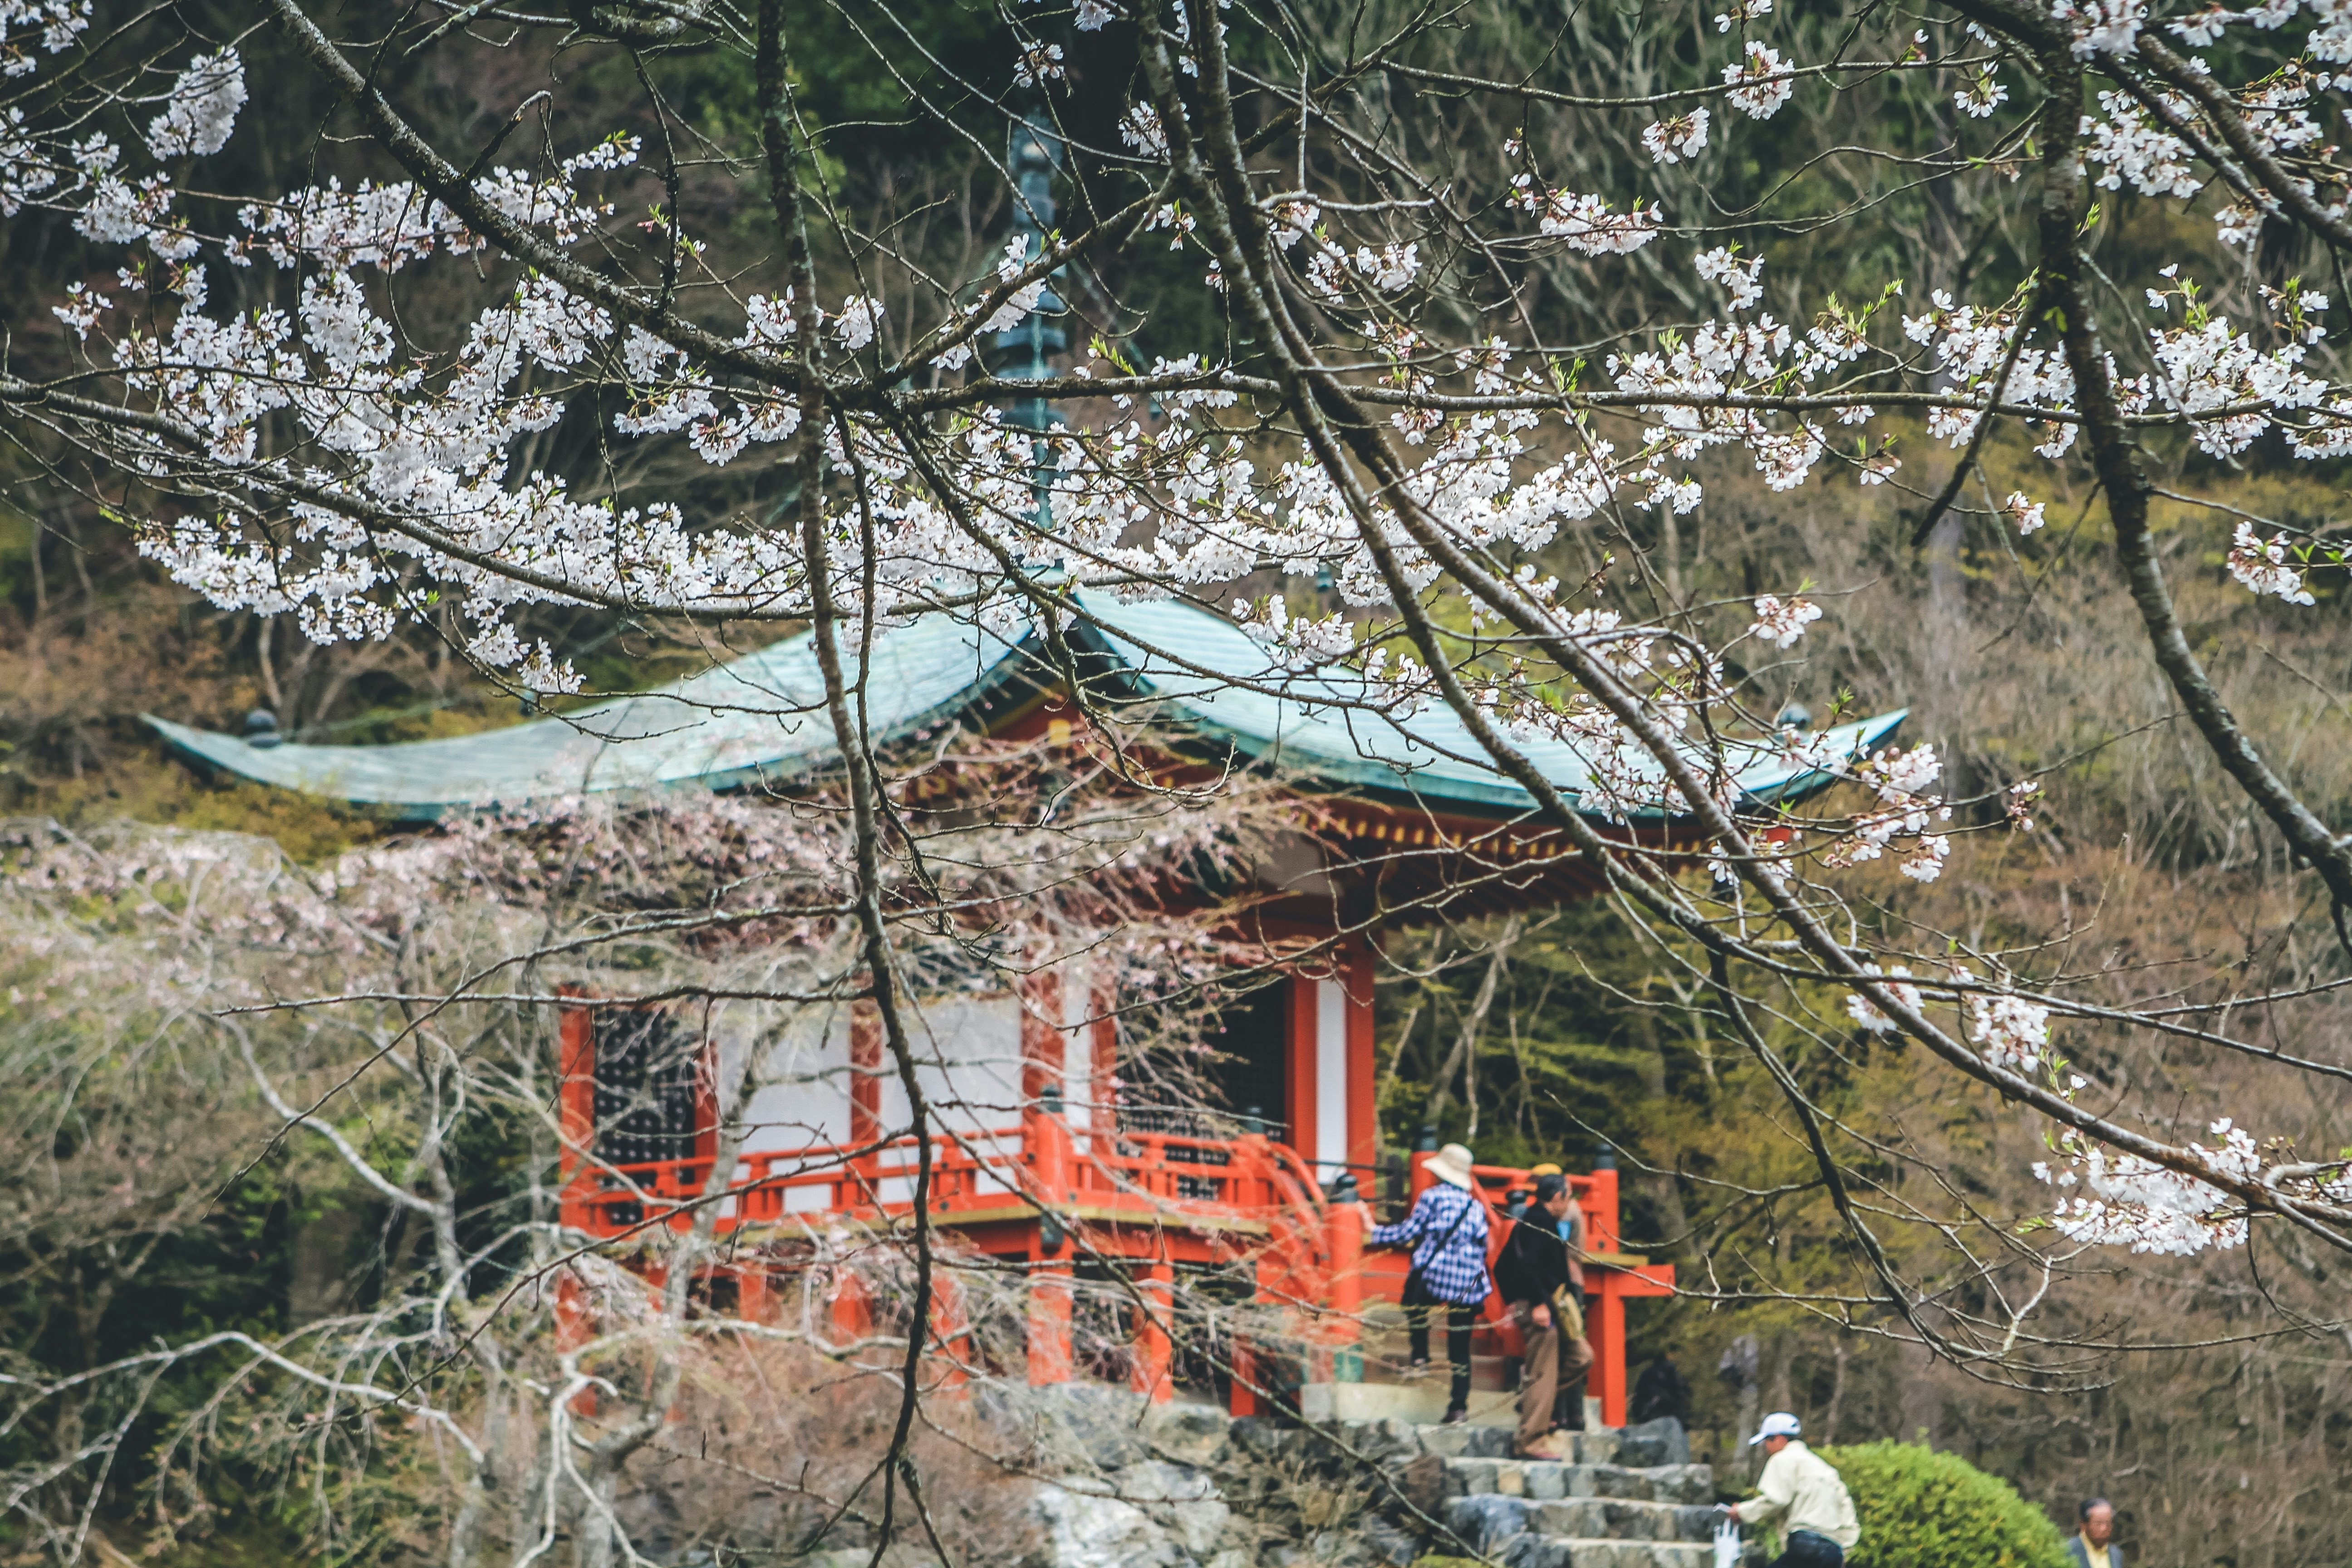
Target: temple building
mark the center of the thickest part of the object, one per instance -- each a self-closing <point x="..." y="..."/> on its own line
<point x="1033" y="1160"/>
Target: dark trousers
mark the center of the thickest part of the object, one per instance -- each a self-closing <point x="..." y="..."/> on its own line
<point x="1804" y="1549"/>
<point x="1459" y="1321"/>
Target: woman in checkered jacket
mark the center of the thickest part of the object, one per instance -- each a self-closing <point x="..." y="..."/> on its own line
<point x="1447" y="1233"/>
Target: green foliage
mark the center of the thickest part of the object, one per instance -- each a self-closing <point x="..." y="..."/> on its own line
<point x="1921" y="1509"/>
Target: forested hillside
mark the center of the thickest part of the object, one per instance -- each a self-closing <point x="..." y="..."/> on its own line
<point x="152" y="1198"/>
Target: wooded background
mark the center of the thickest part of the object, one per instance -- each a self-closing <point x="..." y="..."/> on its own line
<point x="2215" y="1420"/>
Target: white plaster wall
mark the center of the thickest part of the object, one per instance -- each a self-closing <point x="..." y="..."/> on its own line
<point x="1078" y="1088"/>
<point x="801" y="1093"/>
<point x="1330" y="1120"/>
<point x="968" y="1060"/>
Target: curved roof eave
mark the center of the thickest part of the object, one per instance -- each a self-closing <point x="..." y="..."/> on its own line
<point x="1215" y="679"/>
<point x="759" y="720"/>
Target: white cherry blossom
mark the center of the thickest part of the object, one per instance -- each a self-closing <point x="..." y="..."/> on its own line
<point x="1781" y="622"/>
<point x="1672" y="141"/>
<point x="2267" y="568"/>
<point x="1983" y="96"/>
<point x="2101" y="26"/>
<point x="1867" y="1014"/>
<point x="1037" y="63"/>
<point x="1140" y="128"/>
<point x="1587" y="223"/>
<point x="1767" y="86"/>
<point x="2134" y="1203"/>
<point x="201" y="109"/>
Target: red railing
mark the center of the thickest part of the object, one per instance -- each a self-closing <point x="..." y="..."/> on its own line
<point x="1159" y="1199"/>
<point x="1038" y="1165"/>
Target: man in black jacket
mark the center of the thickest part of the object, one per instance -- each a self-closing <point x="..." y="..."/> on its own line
<point x="1541" y="1281"/>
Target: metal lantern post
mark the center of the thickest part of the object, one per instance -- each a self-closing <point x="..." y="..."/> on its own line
<point x="1024" y="352"/>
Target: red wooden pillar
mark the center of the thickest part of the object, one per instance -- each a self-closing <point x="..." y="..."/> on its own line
<point x="751" y="1292"/>
<point x="1241" y="1397"/>
<point x="1603" y="1214"/>
<point x="1154" y="1345"/>
<point x="1104" y="1120"/>
<point x="852" y="1310"/>
<point x="1298" y="1079"/>
<point x="1605" y="1325"/>
<point x="865" y="1073"/>
<point x="1050" y="1283"/>
<point x="1363" y="1116"/>
<point x="1343" y="1228"/>
<point x="951" y="1328"/>
<point x="1046" y="1139"/>
<point x="575" y="1095"/>
<point x="1050" y="1298"/>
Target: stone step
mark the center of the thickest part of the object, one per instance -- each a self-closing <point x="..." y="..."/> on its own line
<point x="1556" y="1552"/>
<point x="1622" y="1519"/>
<point x="1418" y="1403"/>
<point x="1543" y="1480"/>
<point x="1487" y="1525"/>
<point x="1467" y="1441"/>
<point x="1602" y="1446"/>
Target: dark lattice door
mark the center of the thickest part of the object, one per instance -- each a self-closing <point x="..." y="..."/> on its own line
<point x="646" y="1088"/>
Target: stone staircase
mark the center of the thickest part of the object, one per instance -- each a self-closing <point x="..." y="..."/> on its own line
<point x="1182" y="1485"/>
<point x="1622" y="1499"/>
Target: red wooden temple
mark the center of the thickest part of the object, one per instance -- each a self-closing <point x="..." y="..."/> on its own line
<point x="1042" y="1163"/>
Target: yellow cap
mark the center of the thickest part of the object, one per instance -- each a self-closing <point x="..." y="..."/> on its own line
<point x="1547" y="1168"/>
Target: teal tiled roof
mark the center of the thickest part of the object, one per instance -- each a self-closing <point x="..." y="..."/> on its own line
<point x="761" y="720"/>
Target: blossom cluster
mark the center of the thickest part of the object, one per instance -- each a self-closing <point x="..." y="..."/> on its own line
<point x="2267" y="567"/>
<point x="1781" y="622"/>
<point x="1867" y="1014"/>
<point x="2012" y="1030"/>
<point x="1973" y="346"/>
<point x="2130" y="1201"/>
<point x="1906" y="808"/>
<point x="1698" y="376"/>
<point x="1586" y="223"/>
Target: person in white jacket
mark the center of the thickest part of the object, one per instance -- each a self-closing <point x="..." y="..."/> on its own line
<point x="1819" y="1527"/>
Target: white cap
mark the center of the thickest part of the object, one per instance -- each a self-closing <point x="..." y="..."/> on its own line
<point x="1780" y="1423"/>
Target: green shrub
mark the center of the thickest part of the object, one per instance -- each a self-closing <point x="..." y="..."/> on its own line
<point x="1921" y="1509"/>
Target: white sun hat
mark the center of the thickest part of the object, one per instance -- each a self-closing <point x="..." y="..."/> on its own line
<point x="1780" y="1423"/>
<point x="1451" y="1165"/>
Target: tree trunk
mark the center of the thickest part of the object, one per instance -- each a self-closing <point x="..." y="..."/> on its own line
<point x="1465" y="1047"/>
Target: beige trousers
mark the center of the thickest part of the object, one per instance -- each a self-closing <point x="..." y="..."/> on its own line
<point x="1550" y="1364"/>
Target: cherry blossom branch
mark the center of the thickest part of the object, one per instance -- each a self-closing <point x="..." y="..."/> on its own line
<point x="2127" y="486"/>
